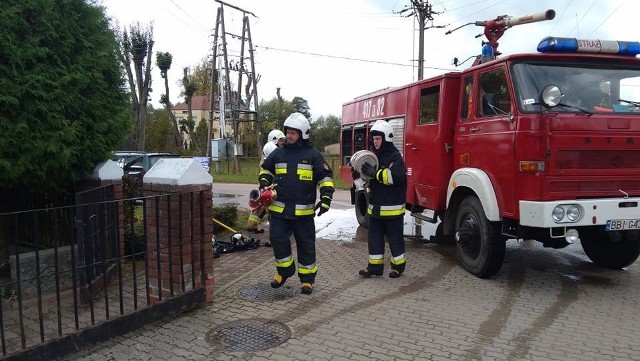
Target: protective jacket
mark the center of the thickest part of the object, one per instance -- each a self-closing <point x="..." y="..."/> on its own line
<point x="296" y="169"/>
<point x="389" y="186"/>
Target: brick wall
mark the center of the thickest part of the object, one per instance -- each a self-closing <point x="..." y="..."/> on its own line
<point x="179" y="231"/>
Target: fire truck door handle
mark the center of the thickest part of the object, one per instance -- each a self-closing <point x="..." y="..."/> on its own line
<point x="474" y="129"/>
<point x="447" y="147"/>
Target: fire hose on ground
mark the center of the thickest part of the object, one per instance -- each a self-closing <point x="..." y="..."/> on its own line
<point x="236" y="241"/>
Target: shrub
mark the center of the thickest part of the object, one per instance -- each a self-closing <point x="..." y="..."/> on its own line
<point x="227" y="214"/>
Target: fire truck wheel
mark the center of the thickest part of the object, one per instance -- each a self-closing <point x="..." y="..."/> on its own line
<point x="610" y="249"/>
<point x="361" y="205"/>
<point x="479" y="245"/>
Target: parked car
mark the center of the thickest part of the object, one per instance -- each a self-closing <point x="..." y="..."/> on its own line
<point x="136" y="164"/>
<point x="140" y="162"/>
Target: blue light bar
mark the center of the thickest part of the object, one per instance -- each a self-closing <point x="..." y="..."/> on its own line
<point x="552" y="44"/>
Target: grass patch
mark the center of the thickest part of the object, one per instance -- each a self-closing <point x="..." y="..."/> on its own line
<point x="221" y="172"/>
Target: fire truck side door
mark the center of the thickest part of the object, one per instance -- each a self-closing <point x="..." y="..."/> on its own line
<point x="486" y="138"/>
<point x="428" y="141"/>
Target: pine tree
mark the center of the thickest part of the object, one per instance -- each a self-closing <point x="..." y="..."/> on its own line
<point x="63" y="99"/>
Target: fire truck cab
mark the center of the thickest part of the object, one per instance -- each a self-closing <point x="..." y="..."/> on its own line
<point x="540" y="146"/>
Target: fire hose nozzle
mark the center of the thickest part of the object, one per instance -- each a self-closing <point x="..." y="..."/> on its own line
<point x="262" y="197"/>
<point x="254" y="195"/>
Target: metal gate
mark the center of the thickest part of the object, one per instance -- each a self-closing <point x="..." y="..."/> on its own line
<point x="66" y="295"/>
<point x="96" y="236"/>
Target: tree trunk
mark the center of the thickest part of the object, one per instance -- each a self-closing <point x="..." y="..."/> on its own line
<point x="141" y="120"/>
<point x="176" y="127"/>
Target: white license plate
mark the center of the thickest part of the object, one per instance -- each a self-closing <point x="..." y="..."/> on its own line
<point x="622" y="224"/>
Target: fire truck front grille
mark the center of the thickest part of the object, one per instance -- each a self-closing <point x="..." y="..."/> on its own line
<point x="595" y="187"/>
<point x="598" y="159"/>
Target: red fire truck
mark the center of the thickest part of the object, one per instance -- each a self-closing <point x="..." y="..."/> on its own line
<point x="542" y="146"/>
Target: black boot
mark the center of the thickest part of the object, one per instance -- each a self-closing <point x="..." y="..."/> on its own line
<point x="395" y="273"/>
<point x="366" y="273"/>
<point x="278" y="281"/>
<point x="306" y="288"/>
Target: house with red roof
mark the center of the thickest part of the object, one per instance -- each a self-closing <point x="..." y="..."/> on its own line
<point x="200" y="106"/>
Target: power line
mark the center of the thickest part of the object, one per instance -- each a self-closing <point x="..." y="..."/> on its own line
<point x="582" y="18"/>
<point x="343" y="57"/>
<point x="475" y="14"/>
<point x="188" y="15"/>
<point x="605" y="19"/>
<point x="331" y="56"/>
<point x="560" y="18"/>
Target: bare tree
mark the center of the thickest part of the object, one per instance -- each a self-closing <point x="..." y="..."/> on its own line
<point x="189" y="90"/>
<point x="136" y="47"/>
<point x="163" y="61"/>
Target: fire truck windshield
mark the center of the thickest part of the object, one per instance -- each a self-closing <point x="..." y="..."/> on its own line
<point x="584" y="87"/>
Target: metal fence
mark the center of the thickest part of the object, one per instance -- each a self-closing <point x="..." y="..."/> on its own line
<point x="92" y="274"/>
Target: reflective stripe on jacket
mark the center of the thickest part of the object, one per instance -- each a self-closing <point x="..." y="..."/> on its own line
<point x="389" y="187"/>
<point x="296" y="169"/>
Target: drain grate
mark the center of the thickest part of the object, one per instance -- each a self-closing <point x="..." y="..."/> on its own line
<point x="252" y="334"/>
<point x="265" y="293"/>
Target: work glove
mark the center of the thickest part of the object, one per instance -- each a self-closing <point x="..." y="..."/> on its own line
<point x="263" y="183"/>
<point x="355" y="174"/>
<point x="368" y="169"/>
<point x="324" y="204"/>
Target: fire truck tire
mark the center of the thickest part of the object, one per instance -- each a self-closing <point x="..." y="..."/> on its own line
<point x="478" y="243"/>
<point x="361" y="205"/>
<point x="610" y="249"/>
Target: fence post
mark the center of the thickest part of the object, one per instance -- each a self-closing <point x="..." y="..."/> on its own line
<point x="171" y="238"/>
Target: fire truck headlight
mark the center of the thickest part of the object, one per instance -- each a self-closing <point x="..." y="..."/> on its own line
<point x="550" y="96"/>
<point x="557" y="214"/>
<point x="574" y="213"/>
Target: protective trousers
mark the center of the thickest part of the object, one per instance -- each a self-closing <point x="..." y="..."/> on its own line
<point x="255" y="217"/>
<point x="304" y="232"/>
<point x="393" y="229"/>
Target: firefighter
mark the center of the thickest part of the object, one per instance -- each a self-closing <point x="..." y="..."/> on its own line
<point x="388" y="184"/>
<point x="297" y="170"/>
<point x="275" y="139"/>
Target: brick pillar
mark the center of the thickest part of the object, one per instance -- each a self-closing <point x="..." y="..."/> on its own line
<point x="179" y="231"/>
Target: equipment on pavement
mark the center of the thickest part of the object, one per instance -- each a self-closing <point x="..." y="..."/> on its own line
<point x="236" y="241"/>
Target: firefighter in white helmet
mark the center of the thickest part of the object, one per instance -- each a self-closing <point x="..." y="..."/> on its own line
<point x="388" y="184"/>
<point x="296" y="170"/>
<point x="267" y="149"/>
<point x="275" y="139"/>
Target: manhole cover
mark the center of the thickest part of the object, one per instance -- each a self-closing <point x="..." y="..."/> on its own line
<point x="253" y="334"/>
<point x="265" y="293"/>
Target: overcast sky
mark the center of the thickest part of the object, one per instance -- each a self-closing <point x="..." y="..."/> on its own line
<point x="330" y="51"/>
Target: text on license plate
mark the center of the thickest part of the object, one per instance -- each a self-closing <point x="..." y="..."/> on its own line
<point x="622" y="224"/>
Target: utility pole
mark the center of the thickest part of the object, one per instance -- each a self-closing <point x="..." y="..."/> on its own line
<point x="231" y="102"/>
<point x="252" y="79"/>
<point x="423" y="12"/>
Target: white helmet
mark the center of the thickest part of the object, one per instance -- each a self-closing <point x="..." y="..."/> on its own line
<point x="381" y="126"/>
<point x="299" y="122"/>
<point x="268" y="148"/>
<point x="275" y="135"/>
